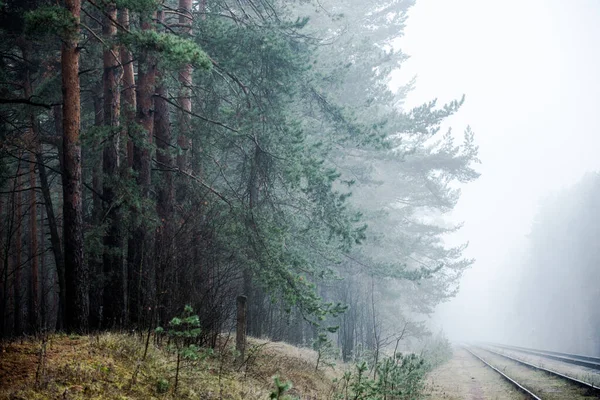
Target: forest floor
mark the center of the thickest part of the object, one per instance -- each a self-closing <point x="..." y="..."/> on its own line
<point x="111" y="366"/>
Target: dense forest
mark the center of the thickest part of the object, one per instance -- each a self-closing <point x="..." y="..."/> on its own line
<point x="558" y="292"/>
<point x="159" y="153"/>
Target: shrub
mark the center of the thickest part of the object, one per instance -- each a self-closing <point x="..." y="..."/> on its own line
<point x="162" y="386"/>
<point x="436" y="350"/>
<point x="280" y="389"/>
<point x="398" y="378"/>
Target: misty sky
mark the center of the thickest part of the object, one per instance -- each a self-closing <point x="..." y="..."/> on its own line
<point x="530" y="70"/>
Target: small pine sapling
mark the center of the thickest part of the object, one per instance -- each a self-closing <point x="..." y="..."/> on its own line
<point x="280" y="388"/>
<point x="326" y="353"/>
<point x="183" y="332"/>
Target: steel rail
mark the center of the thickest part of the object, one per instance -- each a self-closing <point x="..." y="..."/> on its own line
<point x="578" y="382"/>
<point x="508" y="378"/>
<point x="576" y="359"/>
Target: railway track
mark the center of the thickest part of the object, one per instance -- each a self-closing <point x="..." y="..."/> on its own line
<point x="536" y="382"/>
<point x="576" y="359"/>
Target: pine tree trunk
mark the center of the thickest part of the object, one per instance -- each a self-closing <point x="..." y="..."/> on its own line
<point x="184" y="142"/>
<point x="76" y="273"/>
<point x="140" y="256"/>
<point x="129" y="105"/>
<point x="128" y="131"/>
<point x="114" y="286"/>
<point x="185" y="94"/>
<point x="95" y="258"/>
<point x="164" y="235"/>
<point x="4" y="268"/>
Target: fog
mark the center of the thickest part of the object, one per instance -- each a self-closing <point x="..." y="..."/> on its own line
<point x="529" y="70"/>
<point x="293" y="151"/>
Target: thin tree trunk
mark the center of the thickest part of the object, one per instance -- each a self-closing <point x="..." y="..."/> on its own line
<point x="8" y="294"/>
<point x="33" y="237"/>
<point x="254" y="324"/>
<point x="76" y="273"/>
<point x="57" y="113"/>
<point x="240" y="333"/>
<point x="55" y="242"/>
<point x="18" y="313"/>
<point x="375" y="331"/>
<point x="33" y="248"/>
<point x="43" y="294"/>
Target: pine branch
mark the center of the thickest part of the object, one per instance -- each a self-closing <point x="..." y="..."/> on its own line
<point x="28" y="102"/>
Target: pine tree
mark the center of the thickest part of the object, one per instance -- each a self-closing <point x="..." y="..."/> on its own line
<point x="76" y="273"/>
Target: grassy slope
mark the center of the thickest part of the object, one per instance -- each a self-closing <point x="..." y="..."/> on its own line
<point x="102" y="367"/>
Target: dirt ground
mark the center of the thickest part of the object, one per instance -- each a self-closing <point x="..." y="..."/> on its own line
<point x="466" y="378"/>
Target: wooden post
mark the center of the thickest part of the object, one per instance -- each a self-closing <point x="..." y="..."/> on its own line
<point x="240" y="338"/>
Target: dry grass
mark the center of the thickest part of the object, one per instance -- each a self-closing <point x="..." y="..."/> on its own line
<point x="292" y="364"/>
<point x="102" y="367"/>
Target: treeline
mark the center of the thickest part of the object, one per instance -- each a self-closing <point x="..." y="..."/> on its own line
<point x="558" y="292"/>
<point x="162" y="153"/>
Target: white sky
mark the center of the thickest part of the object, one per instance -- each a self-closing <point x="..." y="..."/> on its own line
<point x="530" y="70"/>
